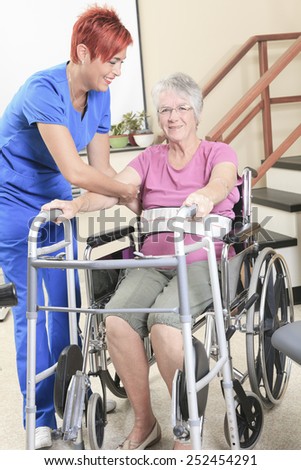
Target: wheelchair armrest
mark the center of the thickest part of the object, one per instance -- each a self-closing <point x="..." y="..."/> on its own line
<point x="242" y="233"/>
<point x="106" y="237"/>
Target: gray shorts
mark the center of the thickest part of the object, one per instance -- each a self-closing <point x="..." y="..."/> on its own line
<point x="157" y="288"/>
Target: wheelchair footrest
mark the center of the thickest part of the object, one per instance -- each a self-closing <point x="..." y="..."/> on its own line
<point x="179" y="394"/>
<point x="70" y="361"/>
<point x="75" y="406"/>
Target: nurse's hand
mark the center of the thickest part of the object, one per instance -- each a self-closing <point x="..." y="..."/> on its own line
<point x="130" y="194"/>
<point x="69" y="208"/>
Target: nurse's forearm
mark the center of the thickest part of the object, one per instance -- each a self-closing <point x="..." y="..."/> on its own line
<point x="89" y="202"/>
<point x="84" y="203"/>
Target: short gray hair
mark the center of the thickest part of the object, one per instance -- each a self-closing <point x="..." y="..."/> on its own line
<point x="183" y="85"/>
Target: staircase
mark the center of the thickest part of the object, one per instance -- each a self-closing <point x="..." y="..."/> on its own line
<point x="278" y="205"/>
<point x="278" y="208"/>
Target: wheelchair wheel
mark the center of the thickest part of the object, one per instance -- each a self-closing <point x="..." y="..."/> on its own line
<point x="268" y="369"/>
<point x="249" y="433"/>
<point x="102" y="365"/>
<point x="112" y="380"/>
<point x="95" y="421"/>
<point x="113" y="383"/>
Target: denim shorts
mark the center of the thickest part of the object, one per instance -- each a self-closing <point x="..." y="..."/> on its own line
<point x="157" y="288"/>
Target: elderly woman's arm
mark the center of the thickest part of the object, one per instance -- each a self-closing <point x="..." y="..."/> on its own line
<point x="89" y="202"/>
<point x="222" y="181"/>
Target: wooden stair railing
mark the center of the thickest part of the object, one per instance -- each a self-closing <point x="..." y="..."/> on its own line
<point x="261" y="87"/>
<point x="274" y="156"/>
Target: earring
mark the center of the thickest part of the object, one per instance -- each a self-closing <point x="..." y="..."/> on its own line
<point x="83" y="61"/>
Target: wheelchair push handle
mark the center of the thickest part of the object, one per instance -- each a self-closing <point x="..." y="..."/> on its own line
<point x="248" y="170"/>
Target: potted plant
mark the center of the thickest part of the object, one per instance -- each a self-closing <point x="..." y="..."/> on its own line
<point x="144" y="138"/>
<point x="119" y="137"/>
<point x="137" y="126"/>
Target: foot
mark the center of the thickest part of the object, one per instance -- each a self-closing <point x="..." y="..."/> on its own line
<point x="43" y="437"/>
<point x="152" y="438"/>
<point x="179" y="445"/>
<point x="110" y="405"/>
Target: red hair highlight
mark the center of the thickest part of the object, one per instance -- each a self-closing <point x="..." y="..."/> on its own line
<point x="102" y="32"/>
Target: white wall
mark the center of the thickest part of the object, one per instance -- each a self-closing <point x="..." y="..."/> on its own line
<point x="198" y="36"/>
<point x="35" y="34"/>
<point x="193" y="36"/>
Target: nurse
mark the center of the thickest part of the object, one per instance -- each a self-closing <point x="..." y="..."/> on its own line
<point x="54" y="115"/>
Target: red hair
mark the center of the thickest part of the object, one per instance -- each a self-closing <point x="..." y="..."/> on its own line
<point x="101" y="30"/>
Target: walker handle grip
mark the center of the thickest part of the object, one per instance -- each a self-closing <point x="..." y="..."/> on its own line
<point x="49" y="216"/>
<point x="54" y="214"/>
<point x="188" y="211"/>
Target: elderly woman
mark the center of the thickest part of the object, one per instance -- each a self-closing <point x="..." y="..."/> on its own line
<point x="184" y="171"/>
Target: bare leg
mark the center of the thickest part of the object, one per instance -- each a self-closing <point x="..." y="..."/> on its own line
<point x="167" y="344"/>
<point x="128" y="356"/>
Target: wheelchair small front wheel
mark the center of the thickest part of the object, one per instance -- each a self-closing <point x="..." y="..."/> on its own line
<point x="249" y="432"/>
<point x="95" y="421"/>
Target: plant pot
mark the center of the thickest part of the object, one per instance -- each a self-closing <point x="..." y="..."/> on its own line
<point x="144" y="140"/>
<point x="132" y="139"/>
<point x="119" y="141"/>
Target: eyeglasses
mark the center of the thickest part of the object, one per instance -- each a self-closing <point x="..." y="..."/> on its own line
<point x="166" y="111"/>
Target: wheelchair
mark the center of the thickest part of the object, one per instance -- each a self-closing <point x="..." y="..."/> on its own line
<point x="257" y="299"/>
<point x="8" y="295"/>
<point x="8" y="298"/>
<point x="287" y="339"/>
<point x="252" y="294"/>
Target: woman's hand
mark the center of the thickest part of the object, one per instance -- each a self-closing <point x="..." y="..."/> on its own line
<point x="130" y="194"/>
<point x="204" y="204"/>
<point x="69" y="208"/>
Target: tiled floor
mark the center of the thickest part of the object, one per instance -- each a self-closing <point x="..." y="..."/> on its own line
<point x="281" y="428"/>
<point x="276" y="434"/>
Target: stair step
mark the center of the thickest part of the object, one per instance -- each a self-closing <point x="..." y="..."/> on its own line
<point x="278" y="208"/>
<point x="289" y="163"/>
<point x="283" y="200"/>
<point x="275" y="240"/>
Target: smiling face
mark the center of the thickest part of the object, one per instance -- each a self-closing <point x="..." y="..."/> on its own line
<point x="176" y="117"/>
<point x="99" y="75"/>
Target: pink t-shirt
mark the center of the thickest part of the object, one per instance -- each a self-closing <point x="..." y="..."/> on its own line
<point x="164" y="186"/>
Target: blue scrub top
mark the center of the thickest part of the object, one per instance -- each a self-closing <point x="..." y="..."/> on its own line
<point x="26" y="166"/>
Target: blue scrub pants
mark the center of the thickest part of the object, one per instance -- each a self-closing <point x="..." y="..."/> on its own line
<point x="53" y="337"/>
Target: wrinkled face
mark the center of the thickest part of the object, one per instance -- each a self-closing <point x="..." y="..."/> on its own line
<point x="99" y="75"/>
<point x="176" y="116"/>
